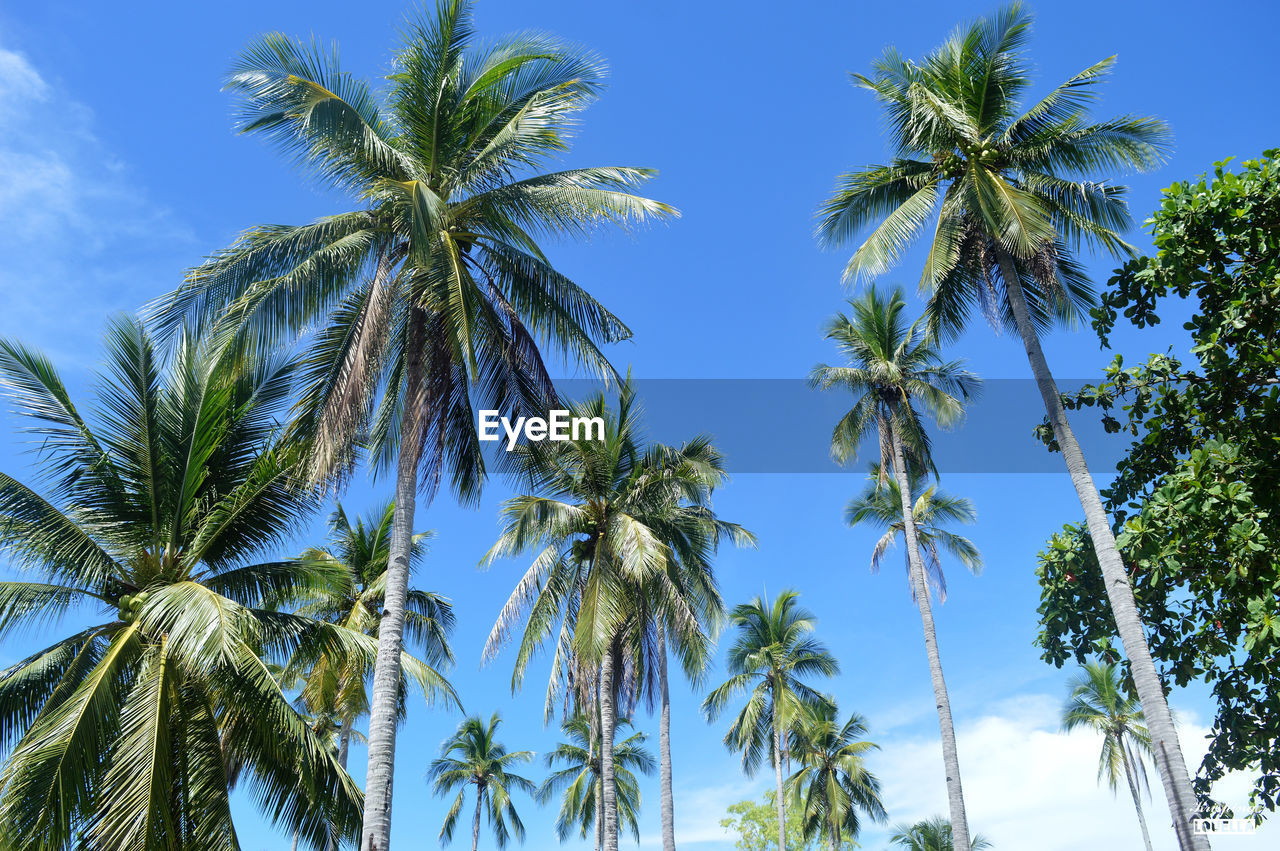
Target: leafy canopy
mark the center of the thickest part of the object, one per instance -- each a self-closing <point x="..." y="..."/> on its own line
<point x="1196" y="501"/>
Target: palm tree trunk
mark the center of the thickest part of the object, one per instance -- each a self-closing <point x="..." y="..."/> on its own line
<point x="475" y="824"/>
<point x="1137" y="799"/>
<point x="1164" y="737"/>
<point x="344" y="745"/>
<point x="777" y="773"/>
<point x="664" y="747"/>
<point x="608" y="790"/>
<point x="950" y="755"/>
<point x="376" y="831"/>
<point x="835" y="838"/>
<point x="295" y="839"/>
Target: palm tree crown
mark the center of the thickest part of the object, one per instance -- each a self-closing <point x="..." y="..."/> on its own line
<point x="578" y="781"/>
<point x="894" y="368"/>
<point x="833" y="784"/>
<point x="995" y="178"/>
<point x="880" y="504"/>
<point x="933" y="834"/>
<point x="474" y="757"/>
<point x="159" y="508"/>
<point x="438" y="273"/>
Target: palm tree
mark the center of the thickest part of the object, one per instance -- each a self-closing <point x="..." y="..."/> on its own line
<point x="1098" y="701"/>
<point x="833" y="784"/>
<point x="157" y="512"/>
<point x="932" y="834"/>
<point x="616" y="526"/>
<point x="771" y="656"/>
<point x="880" y="504"/>
<point x="895" y="367"/>
<point x="1014" y="193"/>
<point x="578" y="782"/>
<point x="433" y="296"/>
<point x="333" y="687"/>
<point x="473" y="757"/>
<point x="358" y="553"/>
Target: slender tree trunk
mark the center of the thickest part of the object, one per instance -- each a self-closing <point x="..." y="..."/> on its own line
<point x="597" y="766"/>
<point x="664" y="747"/>
<point x="1137" y="799"/>
<point x="835" y="838"/>
<point x="344" y="745"/>
<point x="295" y="840"/>
<point x="1165" y="749"/>
<point x="919" y="581"/>
<point x="475" y="824"/>
<point x="376" y="831"/>
<point x="777" y="773"/>
<point x="609" y="791"/>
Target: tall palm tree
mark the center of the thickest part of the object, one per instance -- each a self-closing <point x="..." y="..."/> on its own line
<point x="1098" y="701"/>
<point x="153" y="517"/>
<point x="880" y="504"/>
<point x="578" y="782"/>
<point x="772" y="654"/>
<point x="474" y="758"/>
<point x="333" y="687"/>
<point x="614" y="525"/>
<point x="433" y="296"/>
<point x="896" y="368"/>
<point x="1015" y="192"/>
<point x="932" y="834"/>
<point x="833" y="784"/>
<point x="358" y="553"/>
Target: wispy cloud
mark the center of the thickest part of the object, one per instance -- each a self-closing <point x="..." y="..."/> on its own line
<point x="79" y="235"/>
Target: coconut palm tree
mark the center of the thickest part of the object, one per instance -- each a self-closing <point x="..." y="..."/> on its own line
<point x="616" y="526"/>
<point x="474" y="758"/>
<point x="880" y="504"/>
<point x="932" y="834"/>
<point x="433" y="296"/>
<point x="833" y="784"/>
<point x="333" y="687"/>
<point x="153" y="523"/>
<point x="578" y="782"/>
<point x="771" y="656"/>
<point x="1098" y="701"/>
<point x="1012" y="193"/>
<point x="358" y="553"/>
<point x="896" y="368"/>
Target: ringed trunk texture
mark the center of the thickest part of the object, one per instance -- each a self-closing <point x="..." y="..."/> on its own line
<point x="950" y="755"/>
<point x="664" y="748"/>
<point x="475" y="824"/>
<point x="376" y="830"/>
<point x="1137" y="798"/>
<point x="777" y="774"/>
<point x="608" y="789"/>
<point x="1165" y="748"/>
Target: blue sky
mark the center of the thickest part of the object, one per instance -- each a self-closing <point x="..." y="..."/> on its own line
<point x="119" y="168"/>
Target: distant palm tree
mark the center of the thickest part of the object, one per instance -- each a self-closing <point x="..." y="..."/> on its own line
<point x="159" y="505"/>
<point x="333" y="686"/>
<point x="931" y="835"/>
<point x="772" y="654"/>
<point x="578" y="782"/>
<point x="434" y="296"/>
<point x="833" y="784"/>
<point x="473" y="757"/>
<point x="1009" y="193"/>
<point x="622" y="533"/>
<point x="1098" y="701"/>
<point x="880" y="504"/>
<point x="895" y="368"/>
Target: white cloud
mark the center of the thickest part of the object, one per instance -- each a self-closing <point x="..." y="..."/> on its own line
<point x="1027" y="785"/>
<point x="79" y="234"/>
